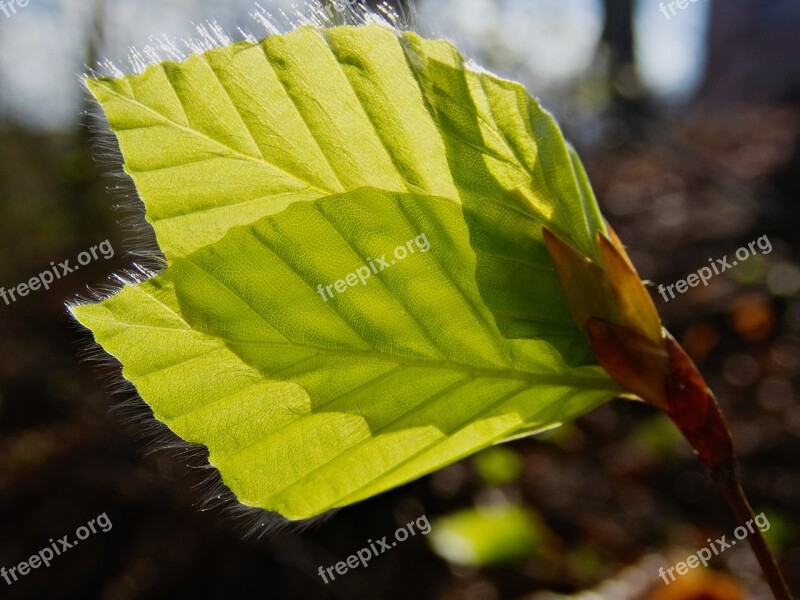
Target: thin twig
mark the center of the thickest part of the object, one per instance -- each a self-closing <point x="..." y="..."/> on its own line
<point x="727" y="480"/>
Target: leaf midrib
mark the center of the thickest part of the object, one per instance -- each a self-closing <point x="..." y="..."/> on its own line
<point x="598" y="383"/>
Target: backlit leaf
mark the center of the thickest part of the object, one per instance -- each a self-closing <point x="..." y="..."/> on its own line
<point x="271" y="172"/>
<point x="307" y="401"/>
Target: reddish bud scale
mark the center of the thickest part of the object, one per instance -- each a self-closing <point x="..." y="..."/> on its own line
<point x="695" y="411"/>
<point x="611" y="304"/>
<point x="608" y="301"/>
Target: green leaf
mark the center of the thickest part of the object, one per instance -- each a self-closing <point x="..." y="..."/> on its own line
<point x="271" y="170"/>
<point x="240" y="132"/>
<point x="307" y="403"/>
<point x="515" y="174"/>
<point x="237" y="133"/>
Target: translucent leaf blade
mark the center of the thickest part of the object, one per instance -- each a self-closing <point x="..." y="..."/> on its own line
<point x="308" y="403"/>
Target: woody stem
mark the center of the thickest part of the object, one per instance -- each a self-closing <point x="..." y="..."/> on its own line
<point x="727" y="480"/>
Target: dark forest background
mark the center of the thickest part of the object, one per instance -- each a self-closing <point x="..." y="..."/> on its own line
<point x="615" y="495"/>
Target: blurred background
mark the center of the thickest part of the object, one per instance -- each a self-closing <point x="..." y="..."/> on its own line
<point x="688" y="120"/>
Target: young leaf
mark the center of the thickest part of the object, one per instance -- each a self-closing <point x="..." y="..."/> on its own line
<point x="268" y="168"/>
<point x="241" y="132"/>
<point x="384" y="383"/>
<point x="309" y="400"/>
